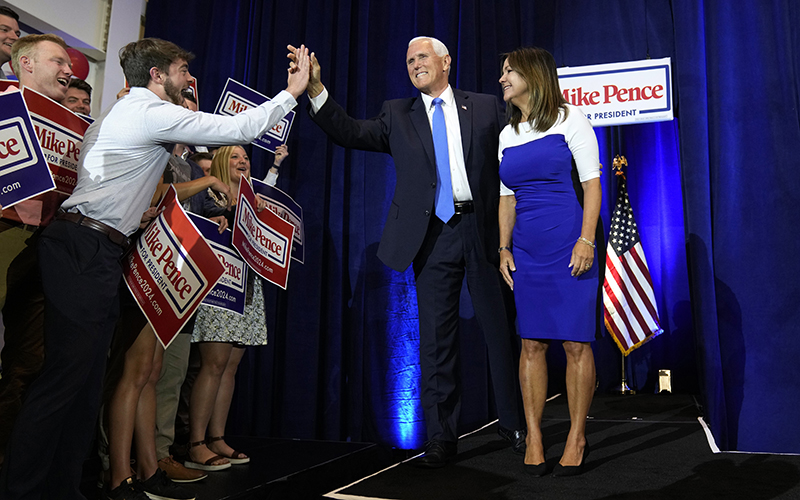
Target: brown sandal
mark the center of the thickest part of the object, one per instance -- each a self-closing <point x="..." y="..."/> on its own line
<point x="208" y="464"/>
<point x="236" y="458"/>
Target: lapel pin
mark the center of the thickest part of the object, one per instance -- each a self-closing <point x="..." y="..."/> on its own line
<point x="463" y="107"/>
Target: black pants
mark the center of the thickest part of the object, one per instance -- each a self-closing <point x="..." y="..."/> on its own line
<point x="450" y="252"/>
<point x="23" y="318"/>
<point x="81" y="272"/>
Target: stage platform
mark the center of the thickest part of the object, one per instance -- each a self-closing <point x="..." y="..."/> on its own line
<point x="644" y="447"/>
<point x="649" y="446"/>
<point x="280" y="469"/>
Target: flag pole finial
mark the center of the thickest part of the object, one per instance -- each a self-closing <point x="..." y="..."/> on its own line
<point x="619" y="163"/>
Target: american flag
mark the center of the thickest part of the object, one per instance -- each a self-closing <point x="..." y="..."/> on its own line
<point x="630" y="307"/>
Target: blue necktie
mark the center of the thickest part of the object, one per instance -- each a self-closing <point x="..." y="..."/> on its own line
<point x="445" y="208"/>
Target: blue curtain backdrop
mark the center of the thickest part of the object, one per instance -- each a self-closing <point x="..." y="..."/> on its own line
<point x="714" y="193"/>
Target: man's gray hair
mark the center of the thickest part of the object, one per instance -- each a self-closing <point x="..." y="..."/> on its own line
<point x="438" y="47"/>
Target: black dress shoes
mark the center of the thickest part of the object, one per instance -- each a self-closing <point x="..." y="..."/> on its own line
<point x="436" y="455"/>
<point x="516" y="438"/>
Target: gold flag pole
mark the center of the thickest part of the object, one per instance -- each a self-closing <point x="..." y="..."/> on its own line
<point x="619" y="163"/>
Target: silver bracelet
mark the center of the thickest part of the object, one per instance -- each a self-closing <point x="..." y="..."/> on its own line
<point x="584" y="240"/>
<point x="500" y="250"/>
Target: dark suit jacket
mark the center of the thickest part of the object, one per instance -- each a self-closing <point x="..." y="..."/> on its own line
<point x="402" y="130"/>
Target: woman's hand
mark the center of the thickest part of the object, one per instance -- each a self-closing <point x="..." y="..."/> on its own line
<point x="261" y="203"/>
<point x="582" y="258"/>
<point x="507" y="267"/>
<point x="222" y="221"/>
<point x="281" y="152"/>
<point x="583" y="251"/>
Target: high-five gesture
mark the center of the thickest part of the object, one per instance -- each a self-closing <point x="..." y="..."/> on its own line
<point x="314" y="84"/>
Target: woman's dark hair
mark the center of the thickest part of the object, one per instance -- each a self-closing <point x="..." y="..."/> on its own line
<point x="538" y="69"/>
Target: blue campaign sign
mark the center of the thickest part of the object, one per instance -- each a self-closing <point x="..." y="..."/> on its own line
<point x="236" y="98"/>
<point x="24" y="172"/>
<point x="287" y="209"/>
<point x="229" y="292"/>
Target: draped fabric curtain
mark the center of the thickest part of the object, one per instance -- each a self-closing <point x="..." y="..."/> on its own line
<point x="713" y="193"/>
<point x="738" y="80"/>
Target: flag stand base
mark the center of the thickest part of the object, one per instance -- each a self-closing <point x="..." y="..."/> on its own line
<point x="623" y="388"/>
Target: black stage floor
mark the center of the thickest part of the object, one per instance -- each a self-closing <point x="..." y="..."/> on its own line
<point x="280" y="469"/>
<point x="643" y="447"/>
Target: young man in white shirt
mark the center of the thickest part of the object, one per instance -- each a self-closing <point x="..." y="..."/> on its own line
<point x="121" y="161"/>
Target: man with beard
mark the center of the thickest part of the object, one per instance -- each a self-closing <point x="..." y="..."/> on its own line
<point x="120" y="164"/>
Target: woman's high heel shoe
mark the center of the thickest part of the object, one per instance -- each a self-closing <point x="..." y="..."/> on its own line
<point x="572" y="470"/>
<point x="537" y="470"/>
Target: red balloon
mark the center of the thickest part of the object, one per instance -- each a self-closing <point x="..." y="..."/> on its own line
<point x="80" y="65"/>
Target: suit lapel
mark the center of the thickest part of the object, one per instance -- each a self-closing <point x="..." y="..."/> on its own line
<point x="465" y="120"/>
<point x="419" y="118"/>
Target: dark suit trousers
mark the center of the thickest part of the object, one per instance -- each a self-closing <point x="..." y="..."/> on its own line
<point x="23" y="318"/>
<point x="449" y="252"/>
<point x="51" y="437"/>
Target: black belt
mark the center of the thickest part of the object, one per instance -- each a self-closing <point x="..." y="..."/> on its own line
<point x="10" y="223"/>
<point x="464" y="207"/>
<point x="115" y="236"/>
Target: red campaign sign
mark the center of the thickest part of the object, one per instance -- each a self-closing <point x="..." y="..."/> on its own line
<point x="263" y="239"/>
<point x="6" y="84"/>
<point x="171" y="269"/>
<point x="60" y="133"/>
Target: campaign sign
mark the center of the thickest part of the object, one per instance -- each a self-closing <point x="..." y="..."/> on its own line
<point x="620" y="93"/>
<point x="236" y="98"/>
<point x="6" y="84"/>
<point x="171" y="269"/>
<point x="263" y="239"/>
<point x="23" y="168"/>
<point x="287" y="209"/>
<point x="60" y="133"/>
<point x="229" y="292"/>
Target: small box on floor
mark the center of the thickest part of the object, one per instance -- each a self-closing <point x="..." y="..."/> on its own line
<point x="664" y="381"/>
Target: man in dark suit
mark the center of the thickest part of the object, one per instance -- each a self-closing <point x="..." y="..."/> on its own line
<point x="445" y="224"/>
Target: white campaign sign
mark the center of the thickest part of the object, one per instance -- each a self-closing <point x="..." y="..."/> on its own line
<point x="620" y="93"/>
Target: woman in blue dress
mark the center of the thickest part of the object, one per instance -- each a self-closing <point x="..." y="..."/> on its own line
<point x="547" y="248"/>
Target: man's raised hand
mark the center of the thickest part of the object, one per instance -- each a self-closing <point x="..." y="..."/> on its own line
<point x="298" y="72"/>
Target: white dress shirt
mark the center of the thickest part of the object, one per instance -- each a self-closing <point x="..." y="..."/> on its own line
<point x="125" y="151"/>
<point x="458" y="170"/>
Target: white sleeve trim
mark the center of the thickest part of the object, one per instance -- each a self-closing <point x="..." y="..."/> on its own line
<point x="582" y="141"/>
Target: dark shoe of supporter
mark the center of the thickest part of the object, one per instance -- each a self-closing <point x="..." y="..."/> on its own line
<point x="516" y="438"/>
<point x="160" y="487"/>
<point x="436" y="455"/>
<point x="129" y="489"/>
